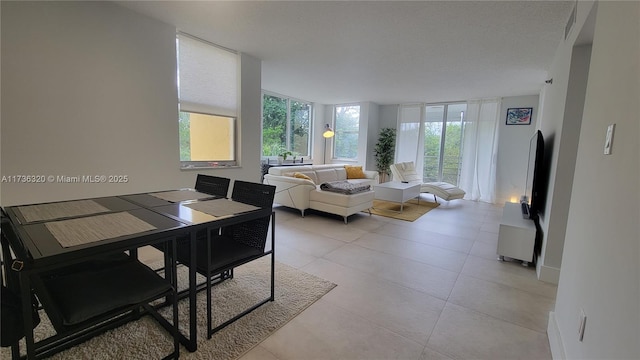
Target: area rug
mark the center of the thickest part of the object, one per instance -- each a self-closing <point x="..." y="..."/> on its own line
<point x="412" y="209"/>
<point x="295" y="290"/>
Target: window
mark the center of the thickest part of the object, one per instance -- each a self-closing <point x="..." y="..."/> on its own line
<point x="208" y="102"/>
<point x="431" y="136"/>
<point x="442" y="142"/>
<point x="286" y="125"/>
<point x="346" y="127"/>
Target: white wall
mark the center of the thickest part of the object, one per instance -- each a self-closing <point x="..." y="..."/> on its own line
<point x="600" y="269"/>
<point x="560" y="119"/>
<point x="389" y="116"/>
<point x="89" y="88"/>
<point x="513" y="150"/>
<point x="319" y="120"/>
<point x="373" y="131"/>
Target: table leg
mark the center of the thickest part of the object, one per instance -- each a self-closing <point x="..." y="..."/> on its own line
<point x="25" y="294"/>
<point x="193" y="332"/>
<point x="191" y="343"/>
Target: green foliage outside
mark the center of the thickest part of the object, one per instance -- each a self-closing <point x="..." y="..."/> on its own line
<point x="347" y="125"/>
<point x="184" y="132"/>
<point x="274" y="127"/>
<point x="451" y="158"/>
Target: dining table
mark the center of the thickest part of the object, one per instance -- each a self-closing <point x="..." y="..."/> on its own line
<point x="58" y="234"/>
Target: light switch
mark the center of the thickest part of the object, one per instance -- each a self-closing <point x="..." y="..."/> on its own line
<point x="608" y="143"/>
<point x="583" y="324"/>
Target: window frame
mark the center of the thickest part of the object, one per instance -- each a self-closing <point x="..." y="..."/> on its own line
<point x="338" y="133"/>
<point x="213" y="163"/>
<point x="288" y="124"/>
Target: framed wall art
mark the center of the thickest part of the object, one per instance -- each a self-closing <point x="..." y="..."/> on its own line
<point x="519" y="116"/>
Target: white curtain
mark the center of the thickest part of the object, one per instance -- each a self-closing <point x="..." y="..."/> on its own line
<point x="479" y="151"/>
<point x="410" y="135"/>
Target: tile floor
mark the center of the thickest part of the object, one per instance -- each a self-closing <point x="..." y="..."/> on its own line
<point x="428" y="289"/>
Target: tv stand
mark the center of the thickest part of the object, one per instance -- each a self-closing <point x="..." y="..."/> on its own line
<point x="517" y="235"/>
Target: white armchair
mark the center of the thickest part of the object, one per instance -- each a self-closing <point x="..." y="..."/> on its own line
<point x="406" y="171"/>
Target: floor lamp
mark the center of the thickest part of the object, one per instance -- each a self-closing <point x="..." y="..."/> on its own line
<point x="328" y="133"/>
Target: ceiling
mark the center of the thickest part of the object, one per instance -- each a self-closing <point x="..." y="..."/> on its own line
<point x="387" y="52"/>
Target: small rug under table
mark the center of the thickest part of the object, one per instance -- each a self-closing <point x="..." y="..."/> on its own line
<point x="412" y="209"/>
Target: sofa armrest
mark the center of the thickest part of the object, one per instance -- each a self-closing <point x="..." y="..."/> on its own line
<point x="290" y="191"/>
<point x="373" y="175"/>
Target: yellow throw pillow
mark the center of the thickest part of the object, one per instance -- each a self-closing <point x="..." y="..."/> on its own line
<point x="302" y="176"/>
<point x="354" y="172"/>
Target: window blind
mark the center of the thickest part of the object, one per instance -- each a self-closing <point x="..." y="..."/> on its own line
<point x="208" y="77"/>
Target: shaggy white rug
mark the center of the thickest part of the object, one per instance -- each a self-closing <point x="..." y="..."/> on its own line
<point x="295" y="290"/>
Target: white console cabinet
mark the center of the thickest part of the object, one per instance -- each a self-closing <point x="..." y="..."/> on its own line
<point x="517" y="236"/>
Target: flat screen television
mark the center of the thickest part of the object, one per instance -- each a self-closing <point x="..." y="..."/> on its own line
<point x="533" y="200"/>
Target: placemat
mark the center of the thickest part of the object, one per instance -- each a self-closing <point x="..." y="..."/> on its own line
<point x="95" y="228"/>
<point x="221" y="207"/>
<point x="180" y="195"/>
<point x="60" y="210"/>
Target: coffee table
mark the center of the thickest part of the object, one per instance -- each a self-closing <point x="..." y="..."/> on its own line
<point x="397" y="191"/>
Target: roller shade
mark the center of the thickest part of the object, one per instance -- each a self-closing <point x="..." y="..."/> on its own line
<point x="208" y="77"/>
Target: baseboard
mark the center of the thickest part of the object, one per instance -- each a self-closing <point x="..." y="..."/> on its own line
<point x="548" y="274"/>
<point x="555" y="339"/>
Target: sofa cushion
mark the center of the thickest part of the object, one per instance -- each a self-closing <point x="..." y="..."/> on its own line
<point x="282" y="170"/>
<point x="302" y="176"/>
<point x="354" y="172"/>
<point x="326" y="175"/>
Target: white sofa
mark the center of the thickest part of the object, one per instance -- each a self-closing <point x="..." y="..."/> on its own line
<point x="305" y="194"/>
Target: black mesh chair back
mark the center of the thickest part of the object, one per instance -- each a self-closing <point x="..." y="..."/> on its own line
<point x="213" y="185"/>
<point x="253" y="193"/>
<point x="252" y="233"/>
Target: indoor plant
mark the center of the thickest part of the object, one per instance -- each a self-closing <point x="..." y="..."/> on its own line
<point x="282" y="156"/>
<point x="384" y="151"/>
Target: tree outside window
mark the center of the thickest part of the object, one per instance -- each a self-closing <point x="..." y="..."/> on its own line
<point x="347" y="125"/>
<point x="286" y="126"/>
<point x="442" y="142"/>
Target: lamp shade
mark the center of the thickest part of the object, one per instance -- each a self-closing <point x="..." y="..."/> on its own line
<point x="328" y="131"/>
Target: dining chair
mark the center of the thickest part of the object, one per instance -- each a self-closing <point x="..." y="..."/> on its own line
<point x="85" y="299"/>
<point x="219" y="252"/>
<point x="212" y="185"/>
<point x="208" y="184"/>
<point x="11" y="311"/>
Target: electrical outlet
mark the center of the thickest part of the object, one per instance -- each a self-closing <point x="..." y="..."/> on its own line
<point x="583" y="323"/>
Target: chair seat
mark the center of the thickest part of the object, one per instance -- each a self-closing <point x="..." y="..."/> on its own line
<point x="224" y="252"/>
<point x="443" y="190"/>
<point x="406" y="171"/>
<point x="82" y="295"/>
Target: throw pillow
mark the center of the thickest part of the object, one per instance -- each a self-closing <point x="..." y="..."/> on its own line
<point x="302" y="176"/>
<point x="354" y="172"/>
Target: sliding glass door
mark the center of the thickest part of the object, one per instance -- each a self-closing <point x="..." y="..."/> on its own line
<point x="437" y="154"/>
<point x="442" y="142"/>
